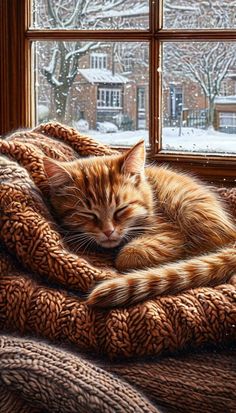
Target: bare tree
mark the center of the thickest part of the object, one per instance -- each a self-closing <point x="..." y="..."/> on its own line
<point x="65" y="56"/>
<point x="199" y="14"/>
<point x="206" y="63"/>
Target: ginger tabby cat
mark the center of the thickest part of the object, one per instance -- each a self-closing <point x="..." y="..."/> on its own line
<point x="170" y="232"/>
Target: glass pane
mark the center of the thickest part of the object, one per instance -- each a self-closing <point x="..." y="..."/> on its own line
<point x="201" y="14"/>
<point x="89" y="85"/>
<point x="199" y="97"/>
<point x="90" y="14"/>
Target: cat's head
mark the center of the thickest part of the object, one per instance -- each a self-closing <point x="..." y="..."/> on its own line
<point x="102" y="200"/>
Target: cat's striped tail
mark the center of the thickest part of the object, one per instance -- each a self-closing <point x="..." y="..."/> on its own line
<point x="136" y="286"/>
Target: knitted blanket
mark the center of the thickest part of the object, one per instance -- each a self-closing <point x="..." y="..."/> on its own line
<point x="38" y="378"/>
<point x="41" y="279"/>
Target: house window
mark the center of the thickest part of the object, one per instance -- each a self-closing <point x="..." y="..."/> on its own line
<point x="98" y="61"/>
<point x="228" y="119"/>
<point x="128" y="63"/>
<point x="109" y="98"/>
<point x="189" y="44"/>
<point x="227" y="122"/>
<point x="141" y="99"/>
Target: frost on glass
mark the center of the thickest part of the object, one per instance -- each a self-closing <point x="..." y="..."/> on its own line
<point x="90" y="14"/>
<point x="201" y="14"/>
<point x="199" y="97"/>
<point x="100" y="88"/>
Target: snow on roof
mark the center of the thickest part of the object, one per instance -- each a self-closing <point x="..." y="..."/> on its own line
<point x="102" y="76"/>
<point x="225" y="99"/>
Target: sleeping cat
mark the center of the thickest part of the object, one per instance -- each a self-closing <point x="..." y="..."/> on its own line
<point x="170" y="231"/>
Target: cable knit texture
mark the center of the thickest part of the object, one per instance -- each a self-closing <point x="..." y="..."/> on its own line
<point x="61" y="382"/>
<point x="36" y="377"/>
<point x="34" y="262"/>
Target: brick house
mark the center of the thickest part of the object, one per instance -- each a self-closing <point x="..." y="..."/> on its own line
<point x="186" y="100"/>
<point x="106" y="90"/>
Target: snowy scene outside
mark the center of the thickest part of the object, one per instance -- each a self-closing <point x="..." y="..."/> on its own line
<point x="201" y="14"/>
<point x="199" y="93"/>
<point x="93" y="85"/>
<point x="102" y="87"/>
<point x="91" y="14"/>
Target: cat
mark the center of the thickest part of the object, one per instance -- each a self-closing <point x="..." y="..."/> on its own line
<point x="169" y="230"/>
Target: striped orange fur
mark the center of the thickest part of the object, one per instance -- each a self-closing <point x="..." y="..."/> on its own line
<point x="170" y="232"/>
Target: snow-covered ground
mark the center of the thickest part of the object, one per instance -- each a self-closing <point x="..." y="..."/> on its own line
<point x="198" y="140"/>
<point x="120" y="138"/>
<point x="191" y="139"/>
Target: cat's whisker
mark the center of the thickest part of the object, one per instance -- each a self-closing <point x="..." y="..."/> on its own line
<point x="83" y="246"/>
<point x="76" y="238"/>
<point x="91" y="244"/>
<point x="79" y="236"/>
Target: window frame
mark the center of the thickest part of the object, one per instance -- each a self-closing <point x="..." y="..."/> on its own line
<point x="97" y="60"/>
<point x="109" y="93"/>
<point x="17" y="101"/>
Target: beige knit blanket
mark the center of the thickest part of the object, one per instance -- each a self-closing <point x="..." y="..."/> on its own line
<point x="41" y="279"/>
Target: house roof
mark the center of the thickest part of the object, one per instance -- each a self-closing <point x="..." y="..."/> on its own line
<point x="102" y="76"/>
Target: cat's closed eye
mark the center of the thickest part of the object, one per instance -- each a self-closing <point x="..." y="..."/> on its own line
<point x="90" y="215"/>
<point x="119" y="211"/>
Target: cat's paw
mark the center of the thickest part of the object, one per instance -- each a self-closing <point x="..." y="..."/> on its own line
<point x="132" y="257"/>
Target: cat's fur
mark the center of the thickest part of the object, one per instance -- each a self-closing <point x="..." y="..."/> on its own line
<point x="172" y="230"/>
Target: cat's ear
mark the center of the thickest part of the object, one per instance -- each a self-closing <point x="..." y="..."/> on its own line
<point x="56" y="173"/>
<point x="134" y="159"/>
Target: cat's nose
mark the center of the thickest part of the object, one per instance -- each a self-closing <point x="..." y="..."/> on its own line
<point x="108" y="232"/>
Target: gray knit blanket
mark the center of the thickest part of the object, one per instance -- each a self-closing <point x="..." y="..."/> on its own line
<point x="36" y="377"/>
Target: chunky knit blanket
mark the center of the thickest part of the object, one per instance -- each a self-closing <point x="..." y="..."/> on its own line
<point x="42" y="283"/>
<point x="37" y="378"/>
<point x="41" y="279"/>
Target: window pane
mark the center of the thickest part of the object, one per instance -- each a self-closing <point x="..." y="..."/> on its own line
<point x="73" y="86"/>
<point x="201" y="14"/>
<point x="92" y="14"/>
<point x="199" y="97"/>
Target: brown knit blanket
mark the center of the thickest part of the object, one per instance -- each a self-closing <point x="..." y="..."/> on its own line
<point x="39" y="279"/>
<point x="40" y="276"/>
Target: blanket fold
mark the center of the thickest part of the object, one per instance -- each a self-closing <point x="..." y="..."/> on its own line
<point x="35" y="260"/>
<point x="37" y="377"/>
<point x="60" y="382"/>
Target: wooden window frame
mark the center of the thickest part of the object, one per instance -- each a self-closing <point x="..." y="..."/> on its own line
<point x="16" y="102"/>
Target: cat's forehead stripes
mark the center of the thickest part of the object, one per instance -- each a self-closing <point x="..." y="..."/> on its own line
<point x="98" y="182"/>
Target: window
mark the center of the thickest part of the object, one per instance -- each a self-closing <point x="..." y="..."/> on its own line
<point x="174" y="58"/>
<point x="141" y="99"/>
<point x="128" y="62"/>
<point x="109" y="98"/>
<point x="228" y="121"/>
<point x="98" y="61"/>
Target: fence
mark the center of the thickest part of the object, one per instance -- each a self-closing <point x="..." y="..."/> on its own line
<point x="189" y="118"/>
